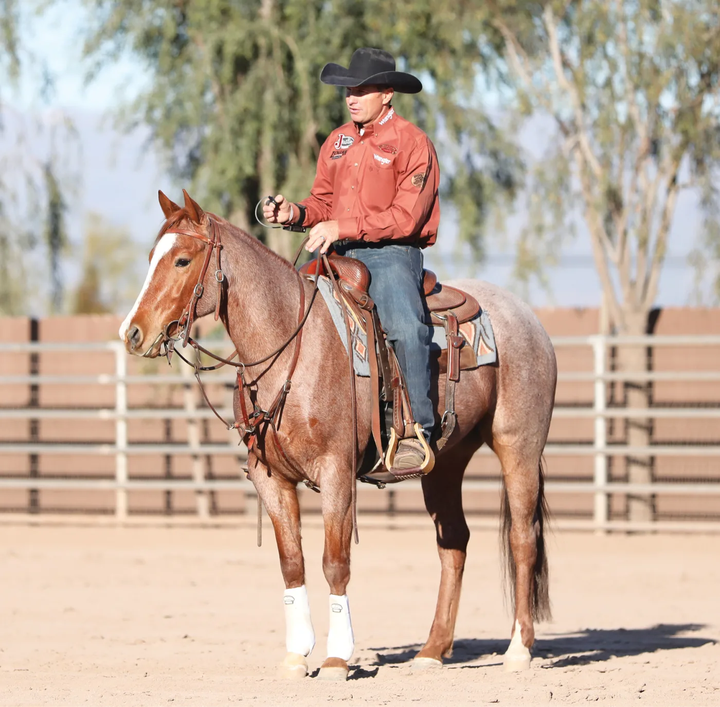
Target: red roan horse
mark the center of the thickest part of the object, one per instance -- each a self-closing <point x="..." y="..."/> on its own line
<point x="508" y="407"/>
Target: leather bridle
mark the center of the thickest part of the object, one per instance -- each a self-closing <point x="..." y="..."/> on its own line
<point x="248" y="429"/>
<point x="252" y="420"/>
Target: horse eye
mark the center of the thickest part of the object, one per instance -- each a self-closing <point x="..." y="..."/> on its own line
<point x="182" y="263"/>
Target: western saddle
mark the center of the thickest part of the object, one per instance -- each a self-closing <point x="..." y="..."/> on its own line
<point x="447" y="307"/>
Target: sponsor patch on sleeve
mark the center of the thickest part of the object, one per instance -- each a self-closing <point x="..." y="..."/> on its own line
<point x="418" y="179"/>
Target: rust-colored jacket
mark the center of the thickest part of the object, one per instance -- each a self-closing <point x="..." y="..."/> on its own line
<point x="381" y="185"/>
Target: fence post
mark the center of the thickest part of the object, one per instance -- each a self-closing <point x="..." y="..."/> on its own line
<point x="121" y="435"/>
<point x="202" y="505"/>
<point x="600" y="515"/>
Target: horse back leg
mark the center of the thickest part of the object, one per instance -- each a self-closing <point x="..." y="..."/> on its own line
<point x="523" y="518"/>
<point x="279" y="496"/>
<point x="443" y="499"/>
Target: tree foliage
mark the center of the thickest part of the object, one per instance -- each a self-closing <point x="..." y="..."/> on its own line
<point x="10" y="292"/>
<point x="236" y="103"/>
<point x="633" y="90"/>
<point x="108" y="279"/>
<point x="36" y="169"/>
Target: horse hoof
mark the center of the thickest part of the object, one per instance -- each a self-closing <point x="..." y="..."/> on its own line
<point x="294" y="667"/>
<point x="422" y="664"/>
<point x="516" y="663"/>
<point x="334" y="669"/>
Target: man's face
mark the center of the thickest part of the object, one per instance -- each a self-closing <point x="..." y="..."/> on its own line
<point x="366" y="103"/>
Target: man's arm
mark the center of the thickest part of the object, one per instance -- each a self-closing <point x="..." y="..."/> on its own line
<point x="318" y="206"/>
<point x="411" y="208"/>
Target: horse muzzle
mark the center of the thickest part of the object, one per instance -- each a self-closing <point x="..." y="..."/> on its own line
<point x="135" y="343"/>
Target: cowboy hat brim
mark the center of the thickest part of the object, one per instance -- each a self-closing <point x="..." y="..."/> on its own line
<point x="336" y="75"/>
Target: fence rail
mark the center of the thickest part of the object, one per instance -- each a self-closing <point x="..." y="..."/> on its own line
<point x="601" y="449"/>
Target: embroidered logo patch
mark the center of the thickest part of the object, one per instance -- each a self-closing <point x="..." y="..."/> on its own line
<point x="389" y="149"/>
<point x="336" y="154"/>
<point x="418" y="179"/>
<point x="381" y="160"/>
<point x="343" y="142"/>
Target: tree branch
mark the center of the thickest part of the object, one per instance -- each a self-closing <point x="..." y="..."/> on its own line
<point x="554" y="46"/>
<point x="519" y="61"/>
<point x="600" y="242"/>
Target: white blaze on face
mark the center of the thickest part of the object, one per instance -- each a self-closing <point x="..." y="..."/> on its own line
<point x="163" y="247"/>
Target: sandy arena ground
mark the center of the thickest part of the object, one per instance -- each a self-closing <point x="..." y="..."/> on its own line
<point x="187" y="615"/>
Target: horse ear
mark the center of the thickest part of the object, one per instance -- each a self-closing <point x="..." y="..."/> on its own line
<point x="169" y="207"/>
<point x="192" y="207"/>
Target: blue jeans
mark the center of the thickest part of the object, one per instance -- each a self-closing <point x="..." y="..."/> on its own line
<point x="396" y="288"/>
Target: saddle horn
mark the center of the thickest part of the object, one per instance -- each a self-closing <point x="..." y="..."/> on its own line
<point x="193" y="208"/>
<point x="168" y="206"/>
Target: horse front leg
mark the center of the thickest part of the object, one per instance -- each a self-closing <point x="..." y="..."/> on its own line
<point x="279" y="496"/>
<point x="337" y="519"/>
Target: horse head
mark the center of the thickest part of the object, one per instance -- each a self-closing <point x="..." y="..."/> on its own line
<point x="179" y="285"/>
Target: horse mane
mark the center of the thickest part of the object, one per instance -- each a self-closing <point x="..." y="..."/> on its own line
<point x="228" y="228"/>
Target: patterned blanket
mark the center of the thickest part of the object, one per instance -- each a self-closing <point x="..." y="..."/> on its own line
<point x="478" y="334"/>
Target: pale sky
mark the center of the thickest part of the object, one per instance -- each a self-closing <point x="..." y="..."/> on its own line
<point x="120" y="177"/>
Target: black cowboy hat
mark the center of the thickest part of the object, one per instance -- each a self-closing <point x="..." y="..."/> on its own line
<point x="370" y="67"/>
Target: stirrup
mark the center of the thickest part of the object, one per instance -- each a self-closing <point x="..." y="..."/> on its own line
<point x="425" y="468"/>
<point x="385" y="474"/>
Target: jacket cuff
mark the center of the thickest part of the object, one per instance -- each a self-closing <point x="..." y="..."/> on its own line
<point x="348" y="229"/>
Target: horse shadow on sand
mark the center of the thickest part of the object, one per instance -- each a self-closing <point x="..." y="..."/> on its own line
<point x="591" y="645"/>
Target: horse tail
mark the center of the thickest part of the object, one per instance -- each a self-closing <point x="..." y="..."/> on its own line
<point x="540" y="599"/>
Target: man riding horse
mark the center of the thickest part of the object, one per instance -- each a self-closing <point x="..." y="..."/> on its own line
<point x="375" y="197"/>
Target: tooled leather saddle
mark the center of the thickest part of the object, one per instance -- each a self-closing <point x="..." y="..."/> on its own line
<point x="447" y="306"/>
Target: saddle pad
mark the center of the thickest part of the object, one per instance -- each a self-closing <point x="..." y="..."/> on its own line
<point x="478" y="333"/>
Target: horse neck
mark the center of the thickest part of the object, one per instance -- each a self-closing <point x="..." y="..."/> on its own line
<point x="263" y="297"/>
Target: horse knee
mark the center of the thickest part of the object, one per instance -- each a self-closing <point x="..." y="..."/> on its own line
<point x="337" y="573"/>
<point x="293" y="570"/>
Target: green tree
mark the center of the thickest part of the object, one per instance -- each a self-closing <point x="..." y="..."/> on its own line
<point x="108" y="279"/>
<point x="10" y="252"/>
<point x="632" y="88"/>
<point x="235" y="100"/>
<point x="36" y="167"/>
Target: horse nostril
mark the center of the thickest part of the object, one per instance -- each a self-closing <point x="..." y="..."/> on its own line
<point x="134" y="337"/>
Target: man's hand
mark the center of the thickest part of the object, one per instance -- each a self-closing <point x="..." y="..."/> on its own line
<point x="323" y="234"/>
<point x="279" y="213"/>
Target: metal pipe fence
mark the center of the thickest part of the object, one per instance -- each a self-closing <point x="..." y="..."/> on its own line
<point x="598" y="410"/>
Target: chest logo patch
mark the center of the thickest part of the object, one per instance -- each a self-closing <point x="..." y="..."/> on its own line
<point x="389" y="149"/>
<point x="343" y="142"/>
<point x="381" y="160"/>
<point x="337" y="154"/>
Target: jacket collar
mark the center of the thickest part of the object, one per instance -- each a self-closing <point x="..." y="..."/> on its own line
<point x="377" y="127"/>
